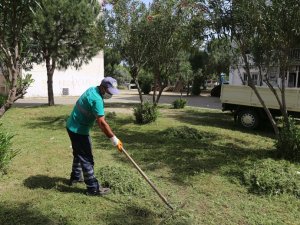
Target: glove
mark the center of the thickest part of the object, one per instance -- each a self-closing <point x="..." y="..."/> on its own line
<point x="116" y="142"/>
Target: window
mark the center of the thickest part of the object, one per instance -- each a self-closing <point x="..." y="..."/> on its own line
<point x="245" y="77"/>
<point x="254" y="76"/>
<point x="292" y="80"/>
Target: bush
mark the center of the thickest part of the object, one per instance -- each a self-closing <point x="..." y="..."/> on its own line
<point x="145" y="113"/>
<point x="288" y="143"/>
<point x="122" y="180"/>
<point x="182" y="132"/>
<point x="273" y="178"/>
<point x="179" y="103"/>
<point x="146" y="88"/>
<point x="6" y="152"/>
<point x="145" y="81"/>
<point x="196" y="87"/>
<point x="110" y="115"/>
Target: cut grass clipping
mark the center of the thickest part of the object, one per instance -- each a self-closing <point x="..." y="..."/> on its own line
<point x="182" y="132"/>
<point x="271" y="177"/>
<point x="122" y="181"/>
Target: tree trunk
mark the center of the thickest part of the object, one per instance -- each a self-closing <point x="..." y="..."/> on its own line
<point x="162" y="87"/>
<point x="12" y="92"/>
<point x="283" y="100"/>
<point x="50" y="72"/>
<point x="139" y="90"/>
<point x="154" y="90"/>
<point x="8" y="104"/>
<point x="12" y="75"/>
<point x="253" y="87"/>
<point x="188" y="88"/>
<point x="134" y="72"/>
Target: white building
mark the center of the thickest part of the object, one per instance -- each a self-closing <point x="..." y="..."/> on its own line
<point x="65" y="82"/>
<point x="237" y="74"/>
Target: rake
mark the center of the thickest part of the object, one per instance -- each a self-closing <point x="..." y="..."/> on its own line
<point x="148" y="180"/>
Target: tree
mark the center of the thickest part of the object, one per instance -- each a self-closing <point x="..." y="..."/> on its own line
<point x="263" y="32"/>
<point x="112" y="59"/>
<point x="181" y="73"/>
<point x="67" y="33"/>
<point x="15" y="20"/>
<point x="278" y="39"/>
<point x="125" y="26"/>
<point x="169" y="31"/>
<point x="219" y="56"/>
<point x="199" y="60"/>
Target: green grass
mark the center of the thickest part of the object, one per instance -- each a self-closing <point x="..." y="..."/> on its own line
<point x="204" y="173"/>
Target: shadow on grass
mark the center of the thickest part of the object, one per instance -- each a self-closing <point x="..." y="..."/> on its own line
<point x="133" y="214"/>
<point x="46" y="182"/>
<point x="30" y="105"/>
<point x="184" y="157"/>
<point x="23" y="213"/>
<point x="59" y="122"/>
<point x="48" y="122"/>
<point x="218" y="119"/>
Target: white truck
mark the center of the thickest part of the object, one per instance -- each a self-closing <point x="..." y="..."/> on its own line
<point x="246" y="108"/>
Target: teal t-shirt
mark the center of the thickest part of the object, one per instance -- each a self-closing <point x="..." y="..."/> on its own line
<point x="88" y="106"/>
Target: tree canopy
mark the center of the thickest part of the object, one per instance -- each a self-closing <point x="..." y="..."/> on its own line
<point x="16" y="18"/>
<point x="263" y="33"/>
<point x="67" y="33"/>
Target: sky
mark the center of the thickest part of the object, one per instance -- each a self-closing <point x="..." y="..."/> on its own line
<point x="147" y="1"/>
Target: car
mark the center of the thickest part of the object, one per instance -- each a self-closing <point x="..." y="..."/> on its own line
<point x="131" y="85"/>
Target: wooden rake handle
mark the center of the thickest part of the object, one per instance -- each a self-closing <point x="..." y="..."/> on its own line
<point x="147" y="179"/>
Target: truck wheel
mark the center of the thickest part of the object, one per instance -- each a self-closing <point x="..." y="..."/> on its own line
<point x="248" y="119"/>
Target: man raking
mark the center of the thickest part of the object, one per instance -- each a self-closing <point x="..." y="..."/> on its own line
<point x="88" y="109"/>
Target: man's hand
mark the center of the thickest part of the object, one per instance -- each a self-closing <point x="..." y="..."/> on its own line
<point x="116" y="142"/>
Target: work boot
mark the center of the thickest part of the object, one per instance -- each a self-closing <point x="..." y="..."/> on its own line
<point x="74" y="181"/>
<point x="100" y="192"/>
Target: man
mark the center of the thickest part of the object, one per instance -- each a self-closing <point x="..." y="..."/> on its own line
<point x="88" y="109"/>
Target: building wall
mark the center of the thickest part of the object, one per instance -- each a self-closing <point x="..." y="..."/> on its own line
<point x="237" y="76"/>
<point x="72" y="80"/>
<point x="2" y="84"/>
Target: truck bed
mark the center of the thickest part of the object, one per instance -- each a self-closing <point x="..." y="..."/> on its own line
<point x="244" y="95"/>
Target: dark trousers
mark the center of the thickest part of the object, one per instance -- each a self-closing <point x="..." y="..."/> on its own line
<point x="83" y="161"/>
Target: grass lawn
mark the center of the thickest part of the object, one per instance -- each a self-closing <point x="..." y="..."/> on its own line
<point x="204" y="173"/>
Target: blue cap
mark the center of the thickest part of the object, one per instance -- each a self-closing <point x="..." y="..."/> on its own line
<point x="111" y="84"/>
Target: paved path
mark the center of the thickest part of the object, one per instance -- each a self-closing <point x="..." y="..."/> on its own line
<point x="131" y="96"/>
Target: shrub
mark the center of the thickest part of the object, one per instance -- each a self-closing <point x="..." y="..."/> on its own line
<point x="179" y="103"/>
<point x="145" y="113"/>
<point x="111" y="115"/>
<point x="122" y="180"/>
<point x="6" y="152"/>
<point x="196" y="87"/>
<point x="146" y="88"/>
<point x="145" y="81"/>
<point x="273" y="177"/>
<point x="182" y="132"/>
<point x="288" y="143"/>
